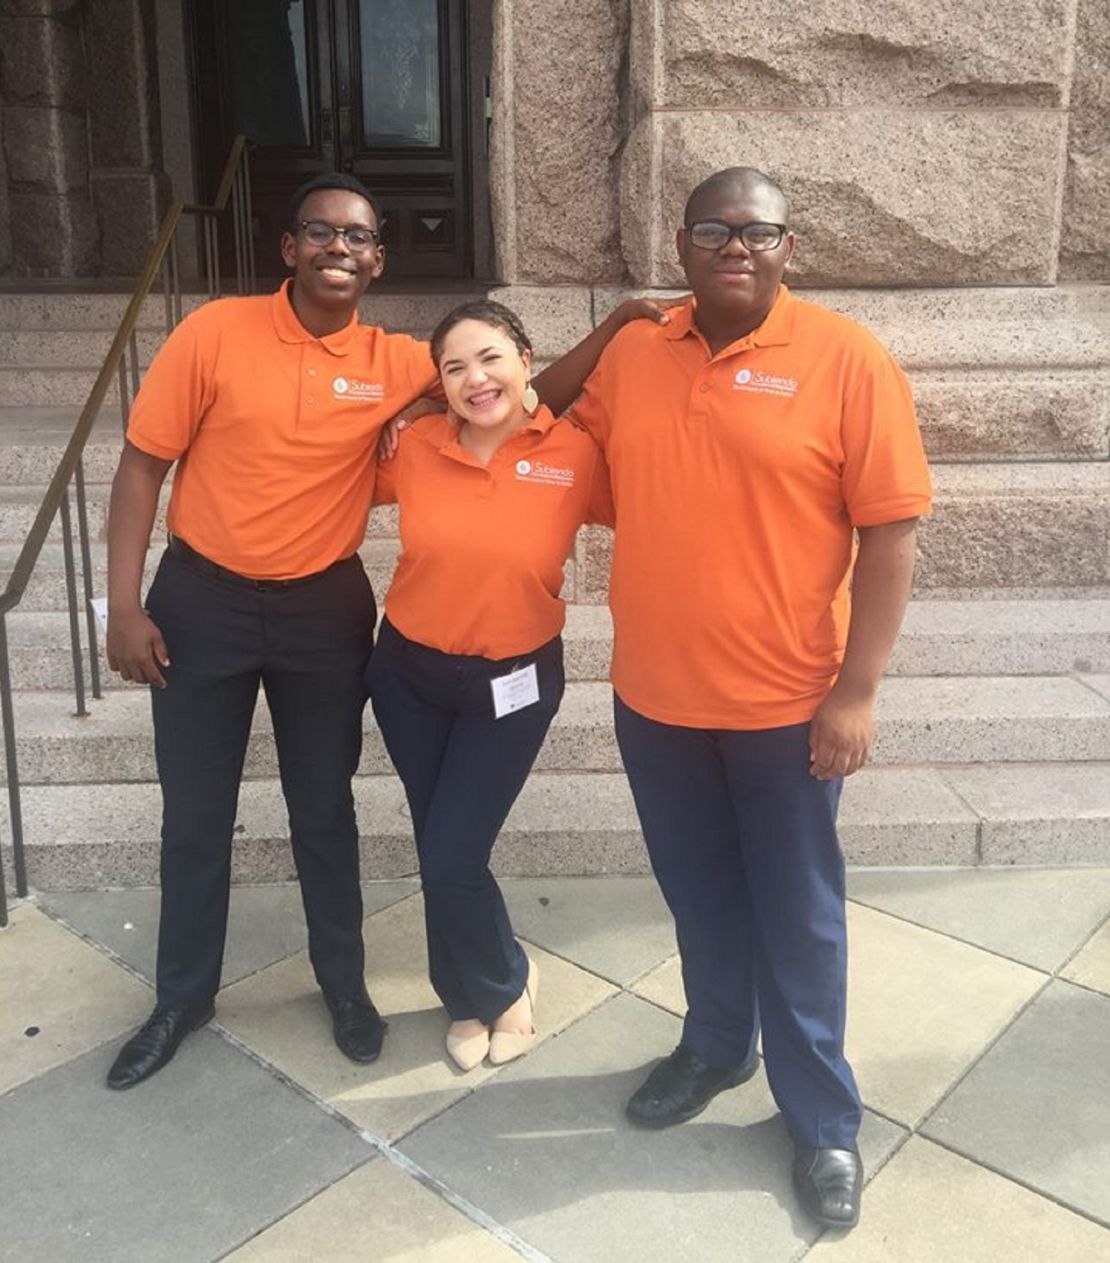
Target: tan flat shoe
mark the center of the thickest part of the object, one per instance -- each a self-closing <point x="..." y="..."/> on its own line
<point x="507" y="1046"/>
<point x="468" y="1051"/>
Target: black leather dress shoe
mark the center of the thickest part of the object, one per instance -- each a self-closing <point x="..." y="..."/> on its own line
<point x="681" y="1086"/>
<point x="357" y="1026"/>
<point x="829" y="1183"/>
<point x="146" y="1052"/>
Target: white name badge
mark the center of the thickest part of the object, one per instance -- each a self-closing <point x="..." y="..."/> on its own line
<point x="515" y="691"/>
<point x="99" y="606"/>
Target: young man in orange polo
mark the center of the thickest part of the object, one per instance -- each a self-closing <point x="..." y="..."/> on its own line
<point x="749" y="441"/>
<point x="272" y="407"/>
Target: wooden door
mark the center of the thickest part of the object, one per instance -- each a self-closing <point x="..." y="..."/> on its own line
<point x="376" y="88"/>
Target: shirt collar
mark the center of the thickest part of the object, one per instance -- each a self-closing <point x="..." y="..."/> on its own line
<point x="446" y="434"/>
<point x="776" y="329"/>
<point x="290" y="329"/>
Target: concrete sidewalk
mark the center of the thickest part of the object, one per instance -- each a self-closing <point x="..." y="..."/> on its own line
<point x="979" y="1030"/>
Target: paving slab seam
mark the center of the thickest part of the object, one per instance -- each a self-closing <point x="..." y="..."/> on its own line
<point x="387" y="1151"/>
<point x="1075" y="951"/>
<point x="834" y="1234"/>
<point x="102" y="948"/>
<point x="931" y="929"/>
<point x="1042" y="1193"/>
<point x="987" y="1048"/>
<point x="1049" y="978"/>
<point x="292" y="1209"/>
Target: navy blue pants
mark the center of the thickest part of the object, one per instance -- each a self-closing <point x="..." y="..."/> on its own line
<point x="307" y="645"/>
<point x="462" y="770"/>
<point x="743" y="843"/>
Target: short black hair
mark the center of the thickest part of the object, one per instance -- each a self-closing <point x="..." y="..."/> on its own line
<point x="496" y="315"/>
<point x="736" y="177"/>
<point x="331" y="180"/>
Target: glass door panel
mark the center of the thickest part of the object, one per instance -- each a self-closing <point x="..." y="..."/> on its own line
<point x="268" y="68"/>
<point x="372" y="87"/>
<point x="399" y="65"/>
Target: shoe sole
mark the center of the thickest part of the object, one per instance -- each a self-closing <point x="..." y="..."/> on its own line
<point x="742" y="1075"/>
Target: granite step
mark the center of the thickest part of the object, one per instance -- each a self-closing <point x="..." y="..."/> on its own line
<point x="19" y="505"/>
<point x="69" y="348"/>
<point x="1018" y="527"/>
<point x="585" y="823"/>
<point x="920" y="721"/>
<point x="46" y="591"/>
<point x="939" y="638"/>
<point x="32" y="440"/>
<point x="402" y="308"/>
<point x="52" y="345"/>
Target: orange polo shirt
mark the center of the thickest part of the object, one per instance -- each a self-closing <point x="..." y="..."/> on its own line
<point x="737" y="480"/>
<point x="483" y="546"/>
<point x="276" y="431"/>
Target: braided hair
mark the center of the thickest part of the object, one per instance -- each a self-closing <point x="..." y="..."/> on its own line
<point x="496" y="315"/>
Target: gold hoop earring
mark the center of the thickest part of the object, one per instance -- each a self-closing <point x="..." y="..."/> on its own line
<point x="530" y="400"/>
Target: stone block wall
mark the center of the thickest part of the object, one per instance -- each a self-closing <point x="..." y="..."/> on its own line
<point x="1085" y="244"/>
<point x="79" y="122"/>
<point x="949" y="169"/>
<point x="558" y="129"/>
<point x="53" y="227"/>
<point x="923" y="145"/>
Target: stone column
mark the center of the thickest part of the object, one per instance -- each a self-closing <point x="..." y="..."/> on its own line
<point x="5" y="208"/>
<point x="42" y="78"/>
<point x="1085" y="237"/>
<point x="129" y="189"/>
<point x="557" y="135"/>
<point x="921" y="144"/>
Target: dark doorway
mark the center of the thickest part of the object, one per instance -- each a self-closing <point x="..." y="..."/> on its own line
<point x="377" y="88"/>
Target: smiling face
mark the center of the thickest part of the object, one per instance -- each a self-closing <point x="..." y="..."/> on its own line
<point x="735" y="287"/>
<point x="331" y="278"/>
<point x="484" y="376"/>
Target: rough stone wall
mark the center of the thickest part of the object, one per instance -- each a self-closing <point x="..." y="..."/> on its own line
<point x="922" y="145"/>
<point x="5" y="207"/>
<point x="128" y="186"/>
<point x="53" y="226"/>
<point x="1085" y="245"/>
<point x="557" y="133"/>
<point x="80" y="136"/>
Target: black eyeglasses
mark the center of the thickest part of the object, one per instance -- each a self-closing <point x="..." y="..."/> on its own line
<point x="320" y="233"/>
<point x="712" y="234"/>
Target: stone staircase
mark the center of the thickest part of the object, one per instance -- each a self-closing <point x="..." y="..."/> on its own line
<point x="994" y="724"/>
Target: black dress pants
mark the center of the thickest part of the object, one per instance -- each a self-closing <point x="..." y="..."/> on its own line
<point x="462" y="769"/>
<point x="307" y="643"/>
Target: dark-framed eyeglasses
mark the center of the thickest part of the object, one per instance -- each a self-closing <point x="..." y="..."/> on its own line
<point x="712" y="234"/>
<point x="319" y="232"/>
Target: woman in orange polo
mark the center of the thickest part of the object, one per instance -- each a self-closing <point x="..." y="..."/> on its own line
<point x="467" y="673"/>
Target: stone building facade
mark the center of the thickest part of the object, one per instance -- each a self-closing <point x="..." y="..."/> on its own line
<point x="924" y="145"/>
<point x="82" y="177"/>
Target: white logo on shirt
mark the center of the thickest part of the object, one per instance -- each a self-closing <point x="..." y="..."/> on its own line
<point x="759" y="383"/>
<point x="537" y="471"/>
<point x="357" y="390"/>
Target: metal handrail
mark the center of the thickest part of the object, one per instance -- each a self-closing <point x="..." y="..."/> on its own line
<point x="122" y="362"/>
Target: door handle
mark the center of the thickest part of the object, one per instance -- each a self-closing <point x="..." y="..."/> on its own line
<point x="327" y="127"/>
